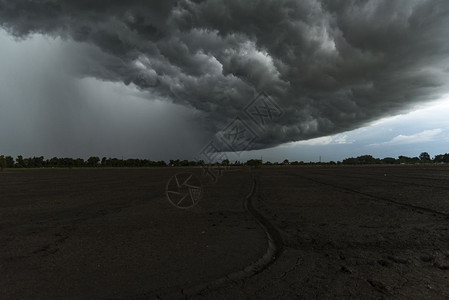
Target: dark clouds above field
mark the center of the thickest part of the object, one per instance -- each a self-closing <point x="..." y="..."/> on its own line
<point x="332" y="66"/>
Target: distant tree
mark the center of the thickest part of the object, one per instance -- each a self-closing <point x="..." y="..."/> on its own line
<point x="424" y="157"/>
<point x="361" y="160"/>
<point x="367" y="160"/>
<point x="286" y="162"/>
<point x="53" y="162"/>
<point x="408" y="160"/>
<point x="9" y="162"/>
<point x="184" y="163"/>
<point x="446" y="158"/>
<point x="441" y="158"/>
<point x="225" y="162"/>
<point x="39" y="161"/>
<point x="175" y="163"/>
<point x="2" y="162"/>
<point x="93" y="161"/>
<point x="351" y="161"/>
<point x="438" y="158"/>
<point x="20" y="163"/>
<point x="193" y="163"/>
<point x="389" y="160"/>
<point x="161" y="163"/>
<point x="79" y="162"/>
<point x="404" y="159"/>
<point x="254" y="162"/>
<point x="34" y="162"/>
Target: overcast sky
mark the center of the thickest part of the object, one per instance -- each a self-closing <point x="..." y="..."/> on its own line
<point x="160" y="80"/>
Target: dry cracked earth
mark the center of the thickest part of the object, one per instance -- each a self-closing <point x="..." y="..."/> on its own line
<point x="287" y="233"/>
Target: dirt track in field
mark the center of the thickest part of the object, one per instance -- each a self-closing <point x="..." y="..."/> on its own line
<point x="341" y="232"/>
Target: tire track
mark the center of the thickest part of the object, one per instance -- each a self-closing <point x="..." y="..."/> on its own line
<point x="378" y="198"/>
<point x="273" y="252"/>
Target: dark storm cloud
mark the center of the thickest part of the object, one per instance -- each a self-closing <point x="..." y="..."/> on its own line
<point x="331" y="65"/>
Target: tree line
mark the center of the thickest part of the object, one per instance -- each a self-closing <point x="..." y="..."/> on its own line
<point x="65" y="162"/>
<point x="95" y="161"/>
<point x="424" y="157"/>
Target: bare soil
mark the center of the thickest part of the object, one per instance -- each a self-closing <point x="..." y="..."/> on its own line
<point x="284" y="233"/>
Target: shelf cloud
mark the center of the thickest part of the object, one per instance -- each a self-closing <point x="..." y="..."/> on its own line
<point x="331" y="66"/>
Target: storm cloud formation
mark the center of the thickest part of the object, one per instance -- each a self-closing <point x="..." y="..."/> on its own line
<point x="331" y="65"/>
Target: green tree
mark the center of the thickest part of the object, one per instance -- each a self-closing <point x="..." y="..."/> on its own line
<point x="93" y="161"/>
<point x="254" y="162"/>
<point x="367" y="160"/>
<point x="9" y="161"/>
<point x="20" y="163"/>
<point x="405" y="159"/>
<point x="389" y="160"/>
<point x="79" y="162"/>
<point x="425" y="157"/>
<point x="441" y="158"/>
<point x="2" y="162"/>
<point x="351" y="161"/>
